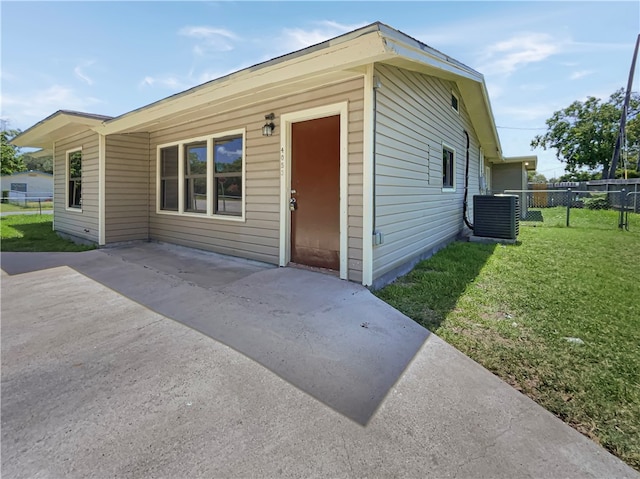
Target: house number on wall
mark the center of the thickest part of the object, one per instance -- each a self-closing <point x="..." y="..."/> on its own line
<point x="282" y="162"/>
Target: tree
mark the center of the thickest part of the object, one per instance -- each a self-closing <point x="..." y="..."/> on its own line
<point x="44" y="164"/>
<point x="11" y="162"/>
<point x="584" y="133"/>
<point x="533" y="177"/>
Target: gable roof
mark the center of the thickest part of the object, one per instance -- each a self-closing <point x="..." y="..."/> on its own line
<point x="344" y="56"/>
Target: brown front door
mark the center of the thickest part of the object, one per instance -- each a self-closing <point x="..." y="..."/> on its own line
<point x="315" y="187"/>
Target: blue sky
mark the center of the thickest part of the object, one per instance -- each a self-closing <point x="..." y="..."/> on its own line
<point x="112" y="57"/>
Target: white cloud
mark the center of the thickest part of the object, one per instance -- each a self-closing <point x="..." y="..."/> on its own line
<point x="211" y="39"/>
<point x="507" y="56"/>
<point x="24" y="110"/>
<point x="580" y="74"/>
<point x="5" y="75"/>
<point x="298" y="38"/>
<point x="78" y="72"/>
<point x="514" y="114"/>
<point x="232" y="153"/>
<point x="169" y="82"/>
<point x="207" y="32"/>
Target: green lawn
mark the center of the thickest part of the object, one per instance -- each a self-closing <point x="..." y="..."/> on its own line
<point x="10" y="207"/>
<point x="33" y="233"/>
<point x="515" y="310"/>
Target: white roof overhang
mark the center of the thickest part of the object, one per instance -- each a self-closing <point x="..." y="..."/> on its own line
<point x="530" y="162"/>
<point x="61" y="124"/>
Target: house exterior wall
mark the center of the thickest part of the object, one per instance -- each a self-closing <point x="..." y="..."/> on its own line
<point x="82" y="223"/>
<point x="415" y="216"/>
<point x="257" y="237"/>
<point x="38" y="184"/>
<point x="510" y="176"/>
<point x="127" y="187"/>
<point x="506" y="177"/>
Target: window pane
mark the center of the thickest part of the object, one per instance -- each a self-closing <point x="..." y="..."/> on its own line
<point x="169" y="194"/>
<point x="195" y="195"/>
<point x="169" y="162"/>
<point x="447" y="168"/>
<point x="229" y="195"/>
<point x="169" y="178"/>
<point x="75" y="179"/>
<point x="196" y="160"/>
<point x="228" y="155"/>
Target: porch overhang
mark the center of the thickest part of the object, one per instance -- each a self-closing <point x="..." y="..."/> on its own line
<point x="530" y="162"/>
<point x="61" y="124"/>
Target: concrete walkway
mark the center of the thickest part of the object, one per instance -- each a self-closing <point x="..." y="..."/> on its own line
<point x="296" y="374"/>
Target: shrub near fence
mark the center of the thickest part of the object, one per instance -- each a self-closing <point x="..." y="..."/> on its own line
<point x="581" y="208"/>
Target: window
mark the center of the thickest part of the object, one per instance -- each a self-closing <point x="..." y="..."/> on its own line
<point x="454" y="102"/>
<point x="203" y="176"/>
<point x="22" y="187"/>
<point x="228" y="176"/>
<point x="169" y="178"/>
<point x="448" y="167"/>
<point x="74" y="179"/>
<point x="195" y="178"/>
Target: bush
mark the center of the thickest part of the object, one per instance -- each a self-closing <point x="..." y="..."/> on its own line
<point x="597" y="202"/>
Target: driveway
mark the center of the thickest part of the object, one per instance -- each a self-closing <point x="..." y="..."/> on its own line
<point x="278" y="372"/>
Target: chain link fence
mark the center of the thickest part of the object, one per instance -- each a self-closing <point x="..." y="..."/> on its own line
<point x="579" y="208"/>
<point x="29" y="201"/>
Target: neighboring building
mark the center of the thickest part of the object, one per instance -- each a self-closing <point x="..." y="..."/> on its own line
<point x="350" y="155"/>
<point x="28" y="184"/>
<point x="510" y="174"/>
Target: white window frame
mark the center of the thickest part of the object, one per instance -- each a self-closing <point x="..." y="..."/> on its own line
<point x="210" y="140"/>
<point x="67" y="157"/>
<point x="451" y="188"/>
<point x="454" y="95"/>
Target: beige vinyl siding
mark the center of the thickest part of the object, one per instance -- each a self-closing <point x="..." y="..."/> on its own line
<point x="258" y="236"/>
<point x="127" y="186"/>
<point x="414" y="118"/>
<point x="81" y="223"/>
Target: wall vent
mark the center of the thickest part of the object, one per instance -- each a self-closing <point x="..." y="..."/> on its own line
<point x="496" y="216"/>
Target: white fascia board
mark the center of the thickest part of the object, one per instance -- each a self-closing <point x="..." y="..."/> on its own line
<point x="431" y="59"/>
<point x="470" y="82"/>
<point x="476" y="100"/>
<point x="359" y="51"/>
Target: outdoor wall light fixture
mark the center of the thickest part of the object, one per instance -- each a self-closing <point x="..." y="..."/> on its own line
<point x="269" y="126"/>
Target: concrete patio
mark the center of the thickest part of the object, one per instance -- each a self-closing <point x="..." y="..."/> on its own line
<point x="152" y="360"/>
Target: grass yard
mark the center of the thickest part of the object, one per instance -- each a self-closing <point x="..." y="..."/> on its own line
<point x="10" y="207"/>
<point x="557" y="316"/>
<point x="579" y="218"/>
<point x="33" y="233"/>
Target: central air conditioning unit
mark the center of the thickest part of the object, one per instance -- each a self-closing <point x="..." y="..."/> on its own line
<point x="496" y="216"/>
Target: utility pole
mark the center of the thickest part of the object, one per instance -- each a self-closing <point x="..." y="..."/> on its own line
<point x="623" y="119"/>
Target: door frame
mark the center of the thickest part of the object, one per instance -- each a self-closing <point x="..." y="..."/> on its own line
<point x="285" y="177"/>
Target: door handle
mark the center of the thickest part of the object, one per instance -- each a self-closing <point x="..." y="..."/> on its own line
<point x="293" y="204"/>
